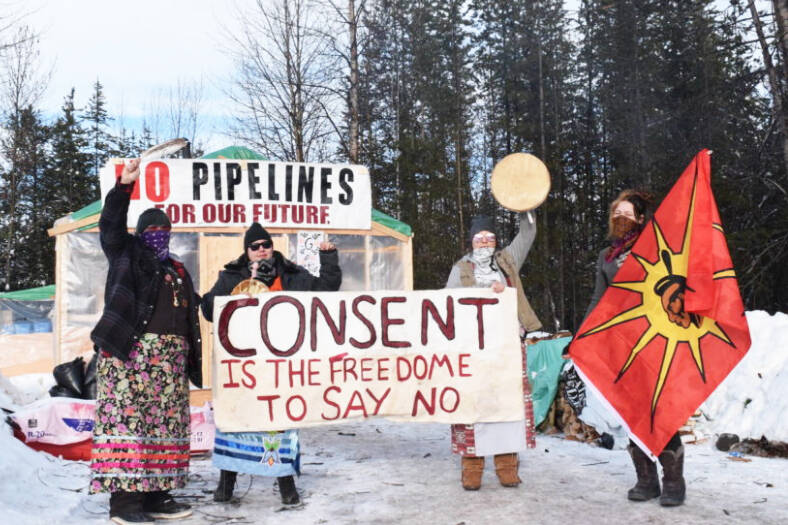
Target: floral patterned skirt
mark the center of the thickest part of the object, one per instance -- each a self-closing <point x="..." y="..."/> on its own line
<point x="463" y="438"/>
<point x="141" y="435"/>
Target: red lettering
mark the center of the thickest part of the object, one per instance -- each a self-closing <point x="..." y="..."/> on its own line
<point x="419" y="359"/>
<point x="400" y="375"/>
<point x="378" y="401"/>
<point x="135" y="190"/>
<point x="479" y="303"/>
<point x="360" y="406"/>
<point x="224" y="323"/>
<point x="270" y="400"/>
<point x="256" y="212"/>
<point x="208" y="213"/>
<point x="329" y="402"/>
<point x="276" y="363"/>
<point x="290" y="412"/>
<point x="386" y="321"/>
<point x="462" y="365"/>
<point x="230" y="363"/>
<point x="382" y="369"/>
<point x="428" y="406"/>
<point x="311" y="215"/>
<point x="264" y="325"/>
<point x="338" y="332"/>
<point x="225" y="213"/>
<point x="252" y="381"/>
<point x="456" y="399"/>
<point x="311" y="372"/>
<point x="157" y="181"/>
<point x="365" y="369"/>
<point x="446" y="327"/>
<point x="365" y="321"/>
<point x="440" y="361"/>
<point x="349" y="370"/>
<point x="324" y="215"/>
<point x="239" y="214"/>
<point x="188" y="214"/>
<point x="293" y="372"/>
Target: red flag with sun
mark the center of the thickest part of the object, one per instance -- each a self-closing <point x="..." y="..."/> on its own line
<point x="671" y="325"/>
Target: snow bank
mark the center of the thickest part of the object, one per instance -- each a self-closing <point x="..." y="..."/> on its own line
<point x="753" y="399"/>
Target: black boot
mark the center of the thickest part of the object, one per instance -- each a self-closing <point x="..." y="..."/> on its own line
<point x="160" y="504"/>
<point x="672" y="459"/>
<point x="125" y="508"/>
<point x="647" y="486"/>
<point x="224" y="491"/>
<point x="287" y="490"/>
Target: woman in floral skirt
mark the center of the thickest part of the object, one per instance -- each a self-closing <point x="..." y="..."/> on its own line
<point x="149" y="347"/>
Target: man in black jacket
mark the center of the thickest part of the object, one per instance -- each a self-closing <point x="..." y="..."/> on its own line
<point x="279" y="274"/>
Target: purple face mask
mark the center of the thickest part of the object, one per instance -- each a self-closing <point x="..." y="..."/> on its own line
<point x="158" y="241"/>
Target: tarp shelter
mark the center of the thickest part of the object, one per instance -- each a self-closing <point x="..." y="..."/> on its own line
<point x="26" y="338"/>
<point x="376" y="259"/>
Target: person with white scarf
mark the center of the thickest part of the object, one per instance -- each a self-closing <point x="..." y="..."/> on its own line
<point x="485" y="267"/>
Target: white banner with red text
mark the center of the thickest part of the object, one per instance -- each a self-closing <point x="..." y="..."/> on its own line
<point x="224" y="192"/>
<point x="300" y="359"/>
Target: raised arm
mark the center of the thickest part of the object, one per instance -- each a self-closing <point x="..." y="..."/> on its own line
<point x="113" y="233"/>
<point x="521" y="244"/>
<point x="330" y="277"/>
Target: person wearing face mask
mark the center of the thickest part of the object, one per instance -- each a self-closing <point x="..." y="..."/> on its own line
<point x="628" y="216"/>
<point x="486" y="267"/>
<point x="242" y="451"/>
<point x="148" y="338"/>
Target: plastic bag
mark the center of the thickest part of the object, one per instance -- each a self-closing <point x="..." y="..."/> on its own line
<point x="71" y="375"/>
<point x="89" y="385"/>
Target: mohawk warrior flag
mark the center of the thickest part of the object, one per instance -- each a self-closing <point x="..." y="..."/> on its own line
<point x="671" y="325"/>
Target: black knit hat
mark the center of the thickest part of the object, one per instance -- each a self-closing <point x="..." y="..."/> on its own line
<point x="481" y="223"/>
<point x="152" y="217"/>
<point x="255" y="233"/>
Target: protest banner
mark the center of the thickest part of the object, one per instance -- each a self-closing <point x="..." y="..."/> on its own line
<point x="226" y="192"/>
<point x="300" y="359"/>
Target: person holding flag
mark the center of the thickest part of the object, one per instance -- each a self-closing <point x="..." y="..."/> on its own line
<point x="666" y="324"/>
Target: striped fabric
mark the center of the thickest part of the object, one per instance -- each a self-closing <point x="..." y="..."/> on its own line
<point x="132" y="457"/>
<point x="262" y="453"/>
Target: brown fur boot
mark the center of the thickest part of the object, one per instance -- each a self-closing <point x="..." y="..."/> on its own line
<point x="506" y="466"/>
<point x="472" y="469"/>
<point x="647" y="486"/>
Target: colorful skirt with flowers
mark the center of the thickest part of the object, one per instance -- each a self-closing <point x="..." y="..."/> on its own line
<point x="141" y="435"/>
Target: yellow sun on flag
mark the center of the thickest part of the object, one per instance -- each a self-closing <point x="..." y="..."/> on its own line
<point x="662" y="304"/>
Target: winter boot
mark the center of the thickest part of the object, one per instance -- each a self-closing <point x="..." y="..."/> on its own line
<point x="674" y="489"/>
<point x="472" y="469"/>
<point x="287" y="490"/>
<point x="125" y="508"/>
<point x="506" y="466"/>
<point x="161" y="505"/>
<point x="647" y="486"/>
<point x="224" y="491"/>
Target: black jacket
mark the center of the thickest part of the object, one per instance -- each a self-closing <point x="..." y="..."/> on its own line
<point x="133" y="281"/>
<point x="294" y="278"/>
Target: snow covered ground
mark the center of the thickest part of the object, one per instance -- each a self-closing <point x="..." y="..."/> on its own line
<point x="382" y="472"/>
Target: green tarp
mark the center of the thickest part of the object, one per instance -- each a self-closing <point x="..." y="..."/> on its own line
<point x="234" y="152"/>
<point x="544" y="369"/>
<point x="41" y="293"/>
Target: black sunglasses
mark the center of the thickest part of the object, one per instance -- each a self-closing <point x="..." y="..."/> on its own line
<point x="262" y="244"/>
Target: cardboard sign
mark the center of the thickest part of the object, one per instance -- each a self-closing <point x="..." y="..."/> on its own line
<point x="288" y="360"/>
<point x="223" y="192"/>
<point x="308" y="251"/>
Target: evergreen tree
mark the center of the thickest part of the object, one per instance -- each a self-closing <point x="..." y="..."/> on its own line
<point x="97" y="119"/>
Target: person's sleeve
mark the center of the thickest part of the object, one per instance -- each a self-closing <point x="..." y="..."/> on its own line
<point x="454" y="278"/>
<point x="219" y="288"/>
<point x="600" y="285"/>
<point x="522" y="242"/>
<point x="113" y="232"/>
<point x="330" y="278"/>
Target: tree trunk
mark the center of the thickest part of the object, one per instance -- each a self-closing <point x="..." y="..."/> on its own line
<point x="353" y="93"/>
<point x="780" y="115"/>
